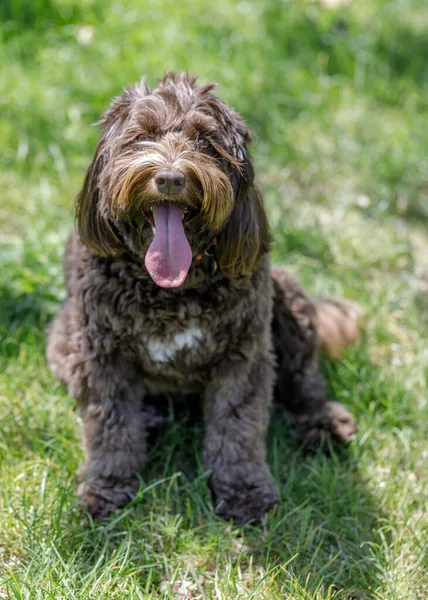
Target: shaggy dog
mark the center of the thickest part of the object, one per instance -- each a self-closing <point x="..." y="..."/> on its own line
<point x="169" y="290"/>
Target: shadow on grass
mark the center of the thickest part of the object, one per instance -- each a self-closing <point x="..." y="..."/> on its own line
<point x="318" y="538"/>
<point x="327" y="518"/>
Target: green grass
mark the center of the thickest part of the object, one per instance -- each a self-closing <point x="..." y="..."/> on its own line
<point x="337" y="102"/>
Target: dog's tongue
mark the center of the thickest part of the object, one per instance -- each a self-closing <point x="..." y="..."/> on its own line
<point x="169" y="256"/>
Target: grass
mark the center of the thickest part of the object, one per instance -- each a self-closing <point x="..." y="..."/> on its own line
<point x="336" y="99"/>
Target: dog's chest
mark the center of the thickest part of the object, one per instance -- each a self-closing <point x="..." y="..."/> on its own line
<point x="187" y="344"/>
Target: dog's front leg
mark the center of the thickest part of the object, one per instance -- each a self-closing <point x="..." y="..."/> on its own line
<point x="236" y="421"/>
<point x="114" y="436"/>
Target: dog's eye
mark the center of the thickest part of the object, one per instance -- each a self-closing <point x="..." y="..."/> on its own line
<point x="203" y="143"/>
<point x="143" y="138"/>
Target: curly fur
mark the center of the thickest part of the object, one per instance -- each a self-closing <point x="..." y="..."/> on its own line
<point x="236" y="332"/>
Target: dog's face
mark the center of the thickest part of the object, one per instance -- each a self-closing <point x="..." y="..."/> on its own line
<point x="172" y="177"/>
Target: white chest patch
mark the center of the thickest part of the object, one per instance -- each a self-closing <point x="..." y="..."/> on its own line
<point x="165" y="350"/>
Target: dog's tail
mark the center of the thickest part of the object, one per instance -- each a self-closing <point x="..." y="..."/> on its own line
<point x="338" y="323"/>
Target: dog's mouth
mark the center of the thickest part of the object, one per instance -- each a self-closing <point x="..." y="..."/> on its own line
<point x="169" y="256"/>
<point x="187" y="215"/>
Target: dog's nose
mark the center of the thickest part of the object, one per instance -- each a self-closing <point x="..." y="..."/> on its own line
<point x="170" y="181"/>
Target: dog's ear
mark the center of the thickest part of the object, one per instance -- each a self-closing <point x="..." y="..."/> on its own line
<point x="245" y="238"/>
<point x="95" y="228"/>
<point x="94" y="223"/>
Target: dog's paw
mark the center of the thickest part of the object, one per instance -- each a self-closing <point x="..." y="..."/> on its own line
<point x="333" y="421"/>
<point x="100" y="496"/>
<point x="246" y="502"/>
<point x="340" y="422"/>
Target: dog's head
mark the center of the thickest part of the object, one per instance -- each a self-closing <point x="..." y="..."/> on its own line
<point x="172" y="177"/>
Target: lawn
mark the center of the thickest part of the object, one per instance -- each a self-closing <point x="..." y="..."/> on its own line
<point x="337" y="101"/>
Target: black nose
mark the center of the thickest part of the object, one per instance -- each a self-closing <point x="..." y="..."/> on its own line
<point x="170" y="181"/>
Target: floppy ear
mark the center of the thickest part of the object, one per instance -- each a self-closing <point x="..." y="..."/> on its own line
<point x="95" y="228"/>
<point x="245" y="238"/>
<point x="94" y="224"/>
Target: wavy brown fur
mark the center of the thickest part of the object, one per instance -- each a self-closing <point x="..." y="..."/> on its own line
<point x="234" y="332"/>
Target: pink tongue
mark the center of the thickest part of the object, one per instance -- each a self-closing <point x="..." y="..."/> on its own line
<point x="169" y="256"/>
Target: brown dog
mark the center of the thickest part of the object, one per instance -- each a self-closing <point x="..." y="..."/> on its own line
<point x="170" y="290"/>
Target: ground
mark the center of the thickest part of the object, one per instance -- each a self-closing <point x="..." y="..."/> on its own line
<point x="336" y="96"/>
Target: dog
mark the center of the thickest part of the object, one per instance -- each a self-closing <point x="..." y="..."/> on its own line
<point x="170" y="291"/>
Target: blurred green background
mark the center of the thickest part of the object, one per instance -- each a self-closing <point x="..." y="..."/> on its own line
<point x="335" y="94"/>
